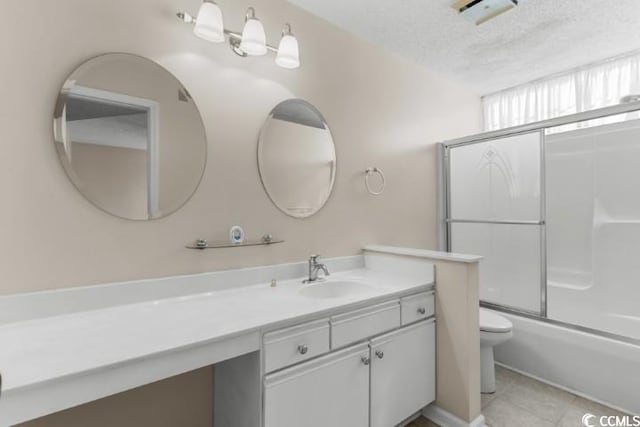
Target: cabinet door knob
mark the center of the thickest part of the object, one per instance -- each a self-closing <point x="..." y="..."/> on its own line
<point x="365" y="360"/>
<point x="380" y="354"/>
<point x="422" y="310"/>
<point x="302" y="349"/>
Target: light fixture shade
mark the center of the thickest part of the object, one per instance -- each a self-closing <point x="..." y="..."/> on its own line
<point x="254" y="40"/>
<point x="209" y="24"/>
<point x="288" y="55"/>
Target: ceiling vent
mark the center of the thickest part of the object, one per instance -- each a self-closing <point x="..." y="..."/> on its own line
<point x="480" y="11"/>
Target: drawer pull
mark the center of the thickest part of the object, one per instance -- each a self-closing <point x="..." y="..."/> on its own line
<point x="365" y="360"/>
<point x="422" y="311"/>
<point x="303" y="349"/>
<point x="380" y="354"/>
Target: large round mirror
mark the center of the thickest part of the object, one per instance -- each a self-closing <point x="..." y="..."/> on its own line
<point x="130" y="136"/>
<point x="297" y="158"/>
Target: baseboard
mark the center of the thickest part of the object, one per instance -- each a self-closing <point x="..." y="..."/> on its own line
<point x="446" y="419"/>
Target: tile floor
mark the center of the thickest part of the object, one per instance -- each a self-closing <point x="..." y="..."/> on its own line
<point x="520" y="401"/>
<point x="421" y="422"/>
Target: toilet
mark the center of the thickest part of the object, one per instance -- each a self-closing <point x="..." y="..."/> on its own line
<point x="494" y="330"/>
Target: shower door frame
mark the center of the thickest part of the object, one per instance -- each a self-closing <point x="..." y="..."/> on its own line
<point x="444" y="202"/>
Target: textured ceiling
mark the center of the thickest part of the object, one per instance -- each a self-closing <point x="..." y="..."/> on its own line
<point x="538" y="38"/>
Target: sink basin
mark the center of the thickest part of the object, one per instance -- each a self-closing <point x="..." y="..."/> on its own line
<point x="334" y="289"/>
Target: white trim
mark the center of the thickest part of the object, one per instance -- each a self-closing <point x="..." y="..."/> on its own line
<point x="105" y="95"/>
<point x="153" y="133"/>
<point x="447" y="419"/>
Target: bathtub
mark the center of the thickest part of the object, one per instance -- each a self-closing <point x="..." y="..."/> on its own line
<point x="598" y="368"/>
<point x="613" y="312"/>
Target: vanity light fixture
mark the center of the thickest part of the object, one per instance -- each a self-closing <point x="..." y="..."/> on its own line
<point x="288" y="55"/>
<point x="209" y="26"/>
<point x="254" y="40"/>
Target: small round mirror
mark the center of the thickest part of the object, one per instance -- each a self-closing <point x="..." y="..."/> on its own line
<point x="297" y="158"/>
<point x="130" y="136"/>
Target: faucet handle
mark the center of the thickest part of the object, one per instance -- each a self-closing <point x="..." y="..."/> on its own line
<point x="314" y="258"/>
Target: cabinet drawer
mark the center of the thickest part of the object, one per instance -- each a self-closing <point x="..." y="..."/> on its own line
<point x="361" y="324"/>
<point x="293" y="345"/>
<point x="417" y="307"/>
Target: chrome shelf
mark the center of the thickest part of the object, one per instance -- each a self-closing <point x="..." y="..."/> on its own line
<point x="203" y="244"/>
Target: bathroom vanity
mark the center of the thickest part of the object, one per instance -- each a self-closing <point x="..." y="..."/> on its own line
<point x="357" y="349"/>
<point x="370" y="366"/>
<point x="384" y="379"/>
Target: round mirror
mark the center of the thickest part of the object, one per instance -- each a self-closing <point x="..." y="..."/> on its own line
<point x="297" y="158"/>
<point x="130" y="136"/>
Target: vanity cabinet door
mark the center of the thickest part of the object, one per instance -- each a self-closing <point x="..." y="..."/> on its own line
<point x="329" y="391"/>
<point x="403" y="375"/>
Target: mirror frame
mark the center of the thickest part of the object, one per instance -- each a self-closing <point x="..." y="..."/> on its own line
<point x="59" y="124"/>
<point x="260" y="145"/>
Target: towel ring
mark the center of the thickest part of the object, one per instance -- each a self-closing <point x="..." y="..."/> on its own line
<point x="368" y="173"/>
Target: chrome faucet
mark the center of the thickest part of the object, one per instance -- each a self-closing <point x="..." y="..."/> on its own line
<point x="314" y="267"/>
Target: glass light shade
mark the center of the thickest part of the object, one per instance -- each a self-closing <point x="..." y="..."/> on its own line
<point x="254" y="40"/>
<point x="209" y="25"/>
<point x="288" y="55"/>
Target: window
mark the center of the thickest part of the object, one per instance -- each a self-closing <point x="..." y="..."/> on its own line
<point x="594" y="86"/>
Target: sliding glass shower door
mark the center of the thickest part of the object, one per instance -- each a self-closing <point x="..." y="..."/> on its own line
<point x="554" y="208"/>
<point x="495" y="208"/>
<point x="593" y="209"/>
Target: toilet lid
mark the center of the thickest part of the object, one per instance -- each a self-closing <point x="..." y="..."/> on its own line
<point x="493" y="322"/>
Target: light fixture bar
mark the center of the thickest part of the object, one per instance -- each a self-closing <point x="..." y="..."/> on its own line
<point x="238" y="36"/>
<point x="187" y="18"/>
<point x="235" y="37"/>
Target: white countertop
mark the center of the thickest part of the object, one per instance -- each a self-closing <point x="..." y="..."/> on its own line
<point x="44" y="351"/>
<point x="424" y="253"/>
